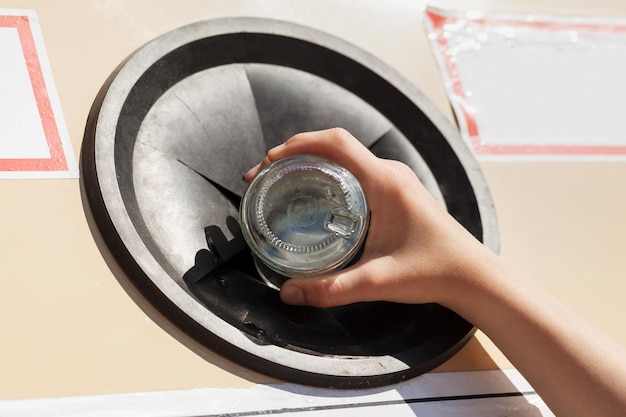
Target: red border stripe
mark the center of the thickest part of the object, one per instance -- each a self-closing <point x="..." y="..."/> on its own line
<point x="57" y="161"/>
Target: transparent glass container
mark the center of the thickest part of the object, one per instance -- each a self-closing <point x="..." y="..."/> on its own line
<point x="303" y="216"/>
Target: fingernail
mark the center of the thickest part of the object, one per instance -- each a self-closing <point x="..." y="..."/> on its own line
<point x="275" y="149"/>
<point x="292" y="295"/>
<point x="248" y="175"/>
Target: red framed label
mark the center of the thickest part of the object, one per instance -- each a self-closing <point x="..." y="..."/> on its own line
<point x="60" y="158"/>
<point x="445" y="28"/>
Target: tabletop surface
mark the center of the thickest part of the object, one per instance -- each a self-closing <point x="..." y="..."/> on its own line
<point x="68" y="327"/>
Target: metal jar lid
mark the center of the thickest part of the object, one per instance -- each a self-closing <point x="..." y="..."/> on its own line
<point x="304" y="216"/>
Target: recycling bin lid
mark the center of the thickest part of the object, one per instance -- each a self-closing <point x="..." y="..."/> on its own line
<point x="166" y="143"/>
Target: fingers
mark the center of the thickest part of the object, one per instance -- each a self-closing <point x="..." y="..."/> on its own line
<point x="344" y="287"/>
<point x="317" y="292"/>
<point x="255" y="170"/>
<point x="360" y="282"/>
<point x="335" y="144"/>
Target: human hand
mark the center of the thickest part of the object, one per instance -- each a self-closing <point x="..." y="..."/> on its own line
<point x="414" y="249"/>
<point x="416" y="252"/>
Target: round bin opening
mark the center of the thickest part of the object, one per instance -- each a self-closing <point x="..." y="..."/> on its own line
<point x="167" y="141"/>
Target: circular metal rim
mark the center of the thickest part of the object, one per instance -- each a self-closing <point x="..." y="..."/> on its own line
<point x="98" y="165"/>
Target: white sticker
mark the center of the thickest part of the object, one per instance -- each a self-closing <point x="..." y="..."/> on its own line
<point x="34" y="142"/>
<point x="531" y="87"/>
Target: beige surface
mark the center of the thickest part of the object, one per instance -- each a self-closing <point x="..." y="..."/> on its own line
<point x="67" y="327"/>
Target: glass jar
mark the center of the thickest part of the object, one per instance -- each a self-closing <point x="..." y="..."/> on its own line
<point x="303" y="216"/>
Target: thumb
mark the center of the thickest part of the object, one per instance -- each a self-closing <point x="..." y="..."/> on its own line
<point x="344" y="287"/>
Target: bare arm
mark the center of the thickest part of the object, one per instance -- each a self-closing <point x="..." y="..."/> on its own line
<point x="417" y="253"/>
<point x="577" y="370"/>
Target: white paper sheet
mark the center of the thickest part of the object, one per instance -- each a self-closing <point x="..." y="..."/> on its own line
<point x="534" y="87"/>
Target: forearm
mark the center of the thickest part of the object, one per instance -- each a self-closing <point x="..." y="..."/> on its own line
<point x="576" y="369"/>
<point x="416" y="253"/>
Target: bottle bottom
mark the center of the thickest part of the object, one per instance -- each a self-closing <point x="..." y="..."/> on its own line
<point x="272" y="278"/>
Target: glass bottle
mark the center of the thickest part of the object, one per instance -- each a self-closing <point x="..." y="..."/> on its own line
<point x="303" y="216"/>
